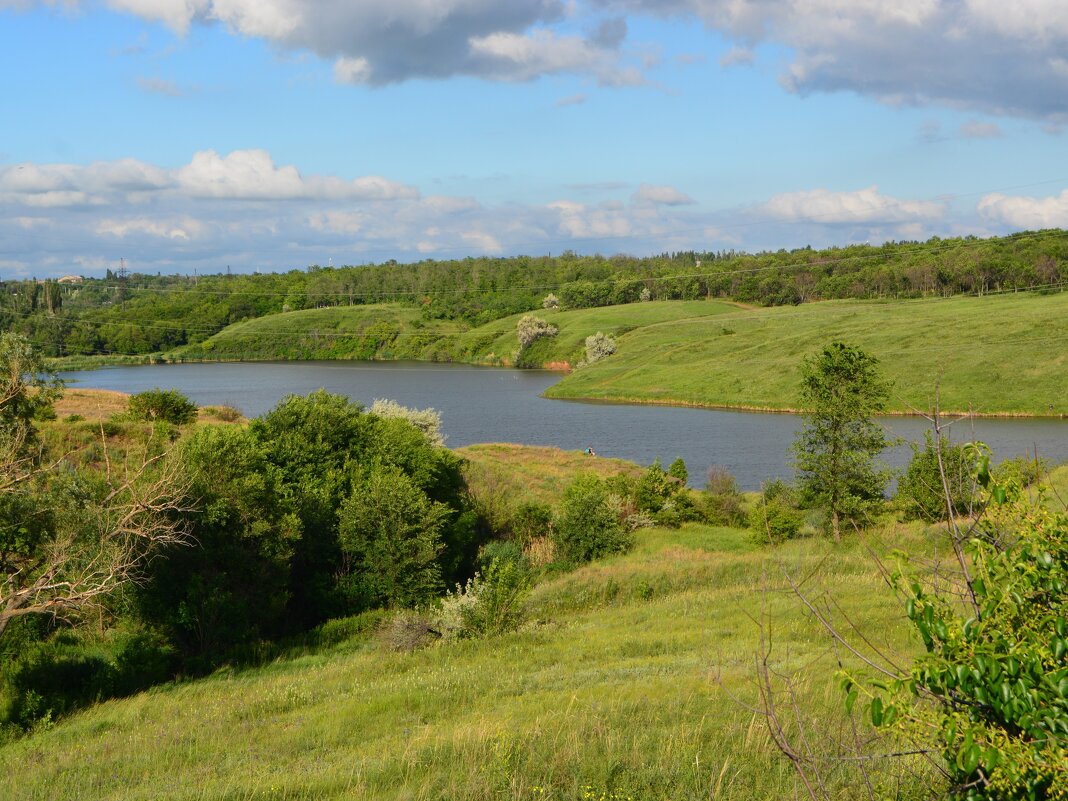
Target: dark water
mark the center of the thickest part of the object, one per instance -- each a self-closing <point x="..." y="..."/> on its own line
<point x="481" y="404"/>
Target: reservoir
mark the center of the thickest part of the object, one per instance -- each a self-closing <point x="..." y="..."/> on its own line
<point x="485" y="404"/>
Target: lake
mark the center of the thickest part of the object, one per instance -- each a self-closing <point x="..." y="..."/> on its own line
<point x="485" y="404"/>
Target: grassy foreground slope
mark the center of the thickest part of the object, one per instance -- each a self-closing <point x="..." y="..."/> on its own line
<point x="621" y="689"/>
<point x="996" y="354"/>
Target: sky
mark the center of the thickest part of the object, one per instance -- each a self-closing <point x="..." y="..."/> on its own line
<point x="202" y="135"/>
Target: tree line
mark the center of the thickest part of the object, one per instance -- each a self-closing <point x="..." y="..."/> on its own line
<point x="140" y="314"/>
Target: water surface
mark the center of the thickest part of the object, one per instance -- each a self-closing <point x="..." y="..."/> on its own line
<point x="484" y="404"/>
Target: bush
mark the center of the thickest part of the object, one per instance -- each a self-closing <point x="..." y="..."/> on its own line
<point x="531" y="328"/>
<point x="408" y="631"/>
<point x="551" y="302"/>
<point x="599" y="346"/>
<point x="529" y="521"/>
<point x="921" y="493"/>
<point x="991" y="690"/>
<point x="228" y="414"/>
<point x="588" y="527"/>
<point x="426" y="420"/>
<point x="722" y="500"/>
<point x="775" y="516"/>
<point x="489" y="604"/>
<point x="164" y="405"/>
<point x="677" y="469"/>
<point x="1024" y="470"/>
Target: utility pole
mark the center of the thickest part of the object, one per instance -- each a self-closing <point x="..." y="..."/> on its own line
<point x="121" y="276"/>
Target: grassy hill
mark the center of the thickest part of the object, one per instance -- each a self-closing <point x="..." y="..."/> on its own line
<point x="994" y="355"/>
<point x="628" y="684"/>
<point x="999" y="354"/>
<point x="391" y="331"/>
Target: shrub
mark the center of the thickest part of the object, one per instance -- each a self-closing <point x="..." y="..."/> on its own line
<point x="677" y="469"/>
<point x="599" y="346"/>
<point x="775" y="516"/>
<point x="228" y="414"/>
<point x="426" y="420"/>
<point x="654" y="488"/>
<point x="165" y="405"/>
<point x="991" y="690"/>
<point x="529" y="521"/>
<point x="408" y="631"/>
<point x="921" y="493"/>
<point x="551" y="302"/>
<point x="1024" y="470"/>
<point x="722" y="500"/>
<point x="645" y="295"/>
<point x="587" y="527"/>
<point x="531" y="328"/>
<point x="489" y="604"/>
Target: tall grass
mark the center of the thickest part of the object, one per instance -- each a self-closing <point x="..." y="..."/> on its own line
<point x="629" y="684"/>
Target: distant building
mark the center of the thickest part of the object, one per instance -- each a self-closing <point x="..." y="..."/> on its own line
<point x="71" y="279"/>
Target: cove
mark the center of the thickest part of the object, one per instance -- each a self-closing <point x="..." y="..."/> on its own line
<point x="487" y="404"/>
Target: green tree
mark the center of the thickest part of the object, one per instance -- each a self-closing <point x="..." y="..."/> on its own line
<point x="841" y="389"/>
<point x="390" y="534"/>
<point x="588" y="527"/>
<point x="990" y="691"/>
<point x="933" y="471"/>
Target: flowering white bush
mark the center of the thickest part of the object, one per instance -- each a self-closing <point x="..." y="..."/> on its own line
<point x="426" y="420"/>
<point x="531" y="328"/>
<point x="645" y="294"/>
<point x="598" y="346"/>
<point x="551" y="302"/>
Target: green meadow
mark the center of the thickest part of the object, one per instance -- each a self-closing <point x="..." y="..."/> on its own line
<point x="1005" y="354"/>
<point x="633" y="680"/>
<point x="999" y="354"/>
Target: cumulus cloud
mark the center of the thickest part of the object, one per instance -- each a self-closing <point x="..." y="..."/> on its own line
<point x="1026" y="212"/>
<point x="861" y="206"/>
<point x="379" y="42"/>
<point x="988" y="55"/>
<point x="252" y="175"/>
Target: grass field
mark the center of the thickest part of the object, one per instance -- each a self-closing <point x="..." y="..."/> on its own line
<point x="994" y="355"/>
<point x="629" y="684"/>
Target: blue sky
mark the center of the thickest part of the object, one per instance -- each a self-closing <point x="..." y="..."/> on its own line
<point x="272" y="134"/>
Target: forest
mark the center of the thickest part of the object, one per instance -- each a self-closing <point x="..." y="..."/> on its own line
<point x="139" y="314"/>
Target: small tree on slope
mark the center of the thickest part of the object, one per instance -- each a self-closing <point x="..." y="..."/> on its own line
<point x="841" y="388"/>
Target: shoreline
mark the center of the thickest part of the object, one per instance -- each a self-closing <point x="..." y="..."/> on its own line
<point x="564" y="368"/>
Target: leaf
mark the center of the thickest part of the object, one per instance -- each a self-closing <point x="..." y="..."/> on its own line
<point x="877" y="712"/>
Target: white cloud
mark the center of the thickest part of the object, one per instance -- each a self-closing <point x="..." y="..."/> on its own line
<point x="993" y="56"/>
<point x="384" y="41"/>
<point x="661" y="195"/>
<point x="861" y="206"/>
<point x="737" y="55"/>
<point x="1026" y="212"/>
<point x="182" y="230"/>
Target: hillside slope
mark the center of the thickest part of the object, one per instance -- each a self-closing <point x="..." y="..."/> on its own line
<point x="995" y="355"/>
<point x="628" y="684"/>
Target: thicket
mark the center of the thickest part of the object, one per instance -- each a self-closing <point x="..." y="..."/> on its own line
<point x="145" y="314"/>
<point x="316" y="511"/>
